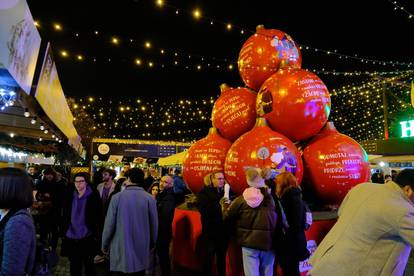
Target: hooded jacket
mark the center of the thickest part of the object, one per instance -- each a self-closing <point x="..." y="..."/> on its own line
<point x="254" y="216"/>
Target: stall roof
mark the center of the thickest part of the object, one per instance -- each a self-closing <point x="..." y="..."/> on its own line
<point x="175" y="159"/>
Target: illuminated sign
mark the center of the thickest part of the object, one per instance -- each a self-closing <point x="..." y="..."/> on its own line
<point x="407" y="128"/>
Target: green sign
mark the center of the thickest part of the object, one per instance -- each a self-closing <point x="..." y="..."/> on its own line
<point x="407" y="128"/>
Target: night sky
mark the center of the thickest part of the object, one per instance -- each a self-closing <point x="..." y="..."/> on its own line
<point x="190" y="58"/>
<point x="370" y="29"/>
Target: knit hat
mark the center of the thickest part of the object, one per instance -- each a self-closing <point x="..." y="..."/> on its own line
<point x="254" y="178"/>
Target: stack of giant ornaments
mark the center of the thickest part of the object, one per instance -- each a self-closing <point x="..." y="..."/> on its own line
<point x="283" y="126"/>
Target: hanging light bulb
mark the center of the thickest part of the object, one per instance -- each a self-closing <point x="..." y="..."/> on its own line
<point x="42" y="127"/>
<point x="33" y="121"/>
<point x="26" y="113"/>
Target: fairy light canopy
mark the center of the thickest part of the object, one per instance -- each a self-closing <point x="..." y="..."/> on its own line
<point x="165" y="52"/>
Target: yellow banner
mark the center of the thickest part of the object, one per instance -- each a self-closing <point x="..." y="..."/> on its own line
<point x="412" y="93"/>
<point x="50" y="96"/>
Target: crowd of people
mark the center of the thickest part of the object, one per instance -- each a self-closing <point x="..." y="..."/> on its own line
<point x="126" y="221"/>
<point x="267" y="220"/>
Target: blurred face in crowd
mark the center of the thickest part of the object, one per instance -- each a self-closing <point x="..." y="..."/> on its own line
<point x="80" y="184"/>
<point x="32" y="170"/>
<point x="409" y="192"/>
<point x="126" y="167"/>
<point x="218" y="180"/>
<point x="166" y="182"/>
<point x="154" y="191"/>
<point x="106" y="177"/>
<point x="49" y="177"/>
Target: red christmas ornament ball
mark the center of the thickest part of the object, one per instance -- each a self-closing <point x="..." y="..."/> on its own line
<point x="334" y="163"/>
<point x="264" y="53"/>
<point x="204" y="156"/>
<point x="295" y="102"/>
<point x="234" y="112"/>
<point x="261" y="147"/>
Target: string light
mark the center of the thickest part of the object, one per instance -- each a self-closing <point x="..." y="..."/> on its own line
<point x="398" y="7"/>
<point x="147" y="44"/>
<point x="160" y="3"/>
<point x="115" y="40"/>
<point x="197" y="14"/>
<point x="64" y="53"/>
<point x="57" y="27"/>
<point x="335" y="53"/>
<point x="311" y="49"/>
<point x="7" y="97"/>
<point x="356" y="111"/>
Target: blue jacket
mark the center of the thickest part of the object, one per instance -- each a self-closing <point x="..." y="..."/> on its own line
<point x="18" y="245"/>
<point x="130" y="230"/>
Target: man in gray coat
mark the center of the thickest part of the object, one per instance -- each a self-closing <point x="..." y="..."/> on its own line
<point x="131" y="227"/>
<point x="374" y="233"/>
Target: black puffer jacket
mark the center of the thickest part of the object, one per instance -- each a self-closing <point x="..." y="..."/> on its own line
<point x="254" y="226"/>
<point x="291" y="244"/>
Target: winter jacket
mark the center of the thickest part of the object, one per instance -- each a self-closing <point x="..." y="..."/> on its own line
<point x="17" y="243"/>
<point x="208" y="204"/>
<point x="130" y="231"/>
<point x="166" y="208"/>
<point x="56" y="190"/>
<point x="373" y="235"/>
<point x="290" y="243"/>
<point x="254" y="215"/>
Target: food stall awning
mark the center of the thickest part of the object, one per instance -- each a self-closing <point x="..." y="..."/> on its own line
<point x="175" y="159"/>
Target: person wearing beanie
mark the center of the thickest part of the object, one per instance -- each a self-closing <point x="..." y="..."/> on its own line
<point x="253" y="214"/>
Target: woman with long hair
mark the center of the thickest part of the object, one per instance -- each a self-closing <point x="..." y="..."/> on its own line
<point x="17" y="230"/>
<point x="290" y="240"/>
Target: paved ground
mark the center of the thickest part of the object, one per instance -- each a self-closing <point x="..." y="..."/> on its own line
<point x="63" y="269"/>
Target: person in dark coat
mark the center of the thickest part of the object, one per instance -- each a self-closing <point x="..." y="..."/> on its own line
<point x="214" y="233"/>
<point x="255" y="218"/>
<point x="166" y="207"/>
<point x="180" y="187"/>
<point x="17" y="230"/>
<point x="50" y="193"/>
<point x="80" y="225"/>
<point x="131" y="227"/>
<point x="290" y="240"/>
